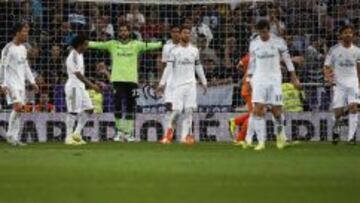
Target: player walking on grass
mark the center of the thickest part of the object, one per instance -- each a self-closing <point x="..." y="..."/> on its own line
<point x="15" y="71"/>
<point x="179" y="79"/>
<point x="124" y="77"/>
<point x="342" y="70"/>
<point x="265" y="76"/>
<point x="241" y="122"/>
<point x="78" y="101"/>
<point x="168" y="47"/>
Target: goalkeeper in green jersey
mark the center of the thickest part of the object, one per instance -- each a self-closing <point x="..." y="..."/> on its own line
<point x="124" y="77"/>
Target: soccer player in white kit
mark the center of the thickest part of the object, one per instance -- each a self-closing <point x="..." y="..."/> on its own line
<point x="78" y="101"/>
<point x="169" y="130"/>
<point x="342" y="66"/>
<point x="15" y="71"/>
<point x="264" y="74"/>
<point x="179" y="77"/>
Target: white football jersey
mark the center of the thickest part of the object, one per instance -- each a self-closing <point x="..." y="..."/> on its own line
<point x="166" y="50"/>
<point x="184" y="60"/>
<point x="265" y="59"/>
<point x="15" y="67"/>
<point x="75" y="63"/>
<point x="344" y="62"/>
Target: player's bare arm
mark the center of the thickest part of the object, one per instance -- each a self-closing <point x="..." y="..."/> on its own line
<point x="87" y="82"/>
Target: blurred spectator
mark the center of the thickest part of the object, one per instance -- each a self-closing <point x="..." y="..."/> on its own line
<point x="231" y="58"/>
<point x="96" y="99"/>
<point x="55" y="69"/>
<point x="211" y="17"/>
<point x="292" y="98"/>
<point x="134" y="17"/>
<point x="314" y="59"/>
<point x="277" y="27"/>
<point x="37" y="11"/>
<point x="153" y="29"/>
<point x="77" y="19"/>
<point x="206" y="52"/>
<point x="201" y="28"/>
<point x="42" y="106"/>
<point x="101" y="31"/>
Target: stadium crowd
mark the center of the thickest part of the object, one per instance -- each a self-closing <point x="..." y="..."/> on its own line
<point x="222" y="32"/>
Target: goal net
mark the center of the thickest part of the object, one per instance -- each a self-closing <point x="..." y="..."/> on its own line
<point x="221" y="29"/>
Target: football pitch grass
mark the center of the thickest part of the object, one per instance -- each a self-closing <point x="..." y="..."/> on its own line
<point x="206" y="172"/>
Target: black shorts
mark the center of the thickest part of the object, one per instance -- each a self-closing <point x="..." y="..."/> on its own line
<point x="124" y="98"/>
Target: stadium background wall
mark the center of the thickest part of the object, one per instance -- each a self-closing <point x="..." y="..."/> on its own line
<point x="43" y="127"/>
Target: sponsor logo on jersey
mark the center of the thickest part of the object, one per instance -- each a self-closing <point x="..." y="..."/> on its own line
<point x="185" y="61"/>
<point x="346" y="63"/>
<point x="265" y="55"/>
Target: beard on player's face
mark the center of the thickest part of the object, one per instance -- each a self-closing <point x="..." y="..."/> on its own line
<point x="347" y="36"/>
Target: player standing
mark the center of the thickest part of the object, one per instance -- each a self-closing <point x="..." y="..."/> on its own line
<point x="179" y="78"/>
<point x="242" y="120"/>
<point x="15" y="72"/>
<point x="169" y="130"/>
<point x="124" y="77"/>
<point x="78" y="101"/>
<point x="342" y="70"/>
<point x="265" y="76"/>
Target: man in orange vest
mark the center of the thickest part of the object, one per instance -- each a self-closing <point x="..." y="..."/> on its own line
<point x="241" y="121"/>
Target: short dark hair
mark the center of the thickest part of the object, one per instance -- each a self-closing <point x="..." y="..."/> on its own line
<point x="174" y="26"/>
<point x="124" y="25"/>
<point x="18" y="27"/>
<point x="262" y="24"/>
<point x="345" y="27"/>
<point x="78" y="40"/>
<point x="184" y="27"/>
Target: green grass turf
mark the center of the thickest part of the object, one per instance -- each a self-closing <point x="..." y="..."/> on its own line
<point x="149" y="172"/>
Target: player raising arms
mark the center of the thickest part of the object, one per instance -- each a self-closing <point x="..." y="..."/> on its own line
<point x="179" y="77"/>
<point x="342" y="70"/>
<point x="78" y="101"/>
<point x="265" y="76"/>
<point x="15" y="72"/>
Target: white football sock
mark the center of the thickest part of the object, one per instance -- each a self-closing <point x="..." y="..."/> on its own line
<point x="353" y="123"/>
<point x="170" y="116"/>
<point x="186" y="124"/>
<point x="260" y="128"/>
<point x="279" y="126"/>
<point x="250" y="131"/>
<point x="83" y="117"/>
<point x="14" y="121"/>
<point x="70" y="122"/>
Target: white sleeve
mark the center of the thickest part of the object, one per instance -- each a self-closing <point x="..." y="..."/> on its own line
<point x="164" y="54"/>
<point x="28" y="74"/>
<point x="5" y="63"/>
<point x="72" y="63"/>
<point x="199" y="69"/>
<point x="168" y="69"/>
<point x="284" y="51"/>
<point x="329" y="59"/>
<point x="252" y="61"/>
<point x="2" y="68"/>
